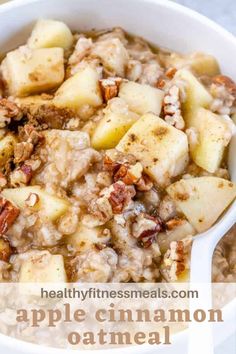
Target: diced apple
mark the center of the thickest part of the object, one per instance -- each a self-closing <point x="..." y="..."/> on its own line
<point x="79" y="90"/>
<point x="29" y="71"/>
<point x="7" y="148"/>
<point x="33" y="101"/>
<point x="161" y="148"/>
<point x="85" y="238"/>
<point x="113" y="55"/>
<point x="140" y="98"/>
<point x="178" y="233"/>
<point x="200" y="63"/>
<point x="202" y="199"/>
<point x="112" y="127"/>
<point x="213" y="135"/>
<point x="50" y="34"/>
<point x="196" y="95"/>
<point x="51" y="207"/>
<point x="43" y="267"/>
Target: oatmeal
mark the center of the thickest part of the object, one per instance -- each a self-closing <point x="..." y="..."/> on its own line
<point x="112" y="157"/>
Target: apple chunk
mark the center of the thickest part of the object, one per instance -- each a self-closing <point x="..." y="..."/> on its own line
<point x="28" y="71"/>
<point x="200" y="63"/>
<point x="196" y="94"/>
<point x="42" y="267"/>
<point x="161" y="148"/>
<point x="141" y="98"/>
<point x="113" y="126"/>
<point x="85" y="238"/>
<point x="50" y="34"/>
<point x="202" y="199"/>
<point x="51" y="207"/>
<point x="79" y="90"/>
<point x="214" y="134"/>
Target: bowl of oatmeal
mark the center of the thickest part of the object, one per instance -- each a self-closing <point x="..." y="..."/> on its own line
<point x="117" y="138"/>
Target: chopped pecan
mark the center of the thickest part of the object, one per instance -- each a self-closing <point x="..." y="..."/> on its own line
<point x="144" y="184"/>
<point x="8" y="111"/>
<point x="22" y="151"/>
<point x="21" y="176"/>
<point x="128" y="174"/>
<point x="172" y="108"/>
<point x="5" y="250"/>
<point x="145" y="228"/>
<point x="8" y="214"/>
<point x="31" y="135"/>
<point x="170" y="73"/>
<point x="226" y="81"/>
<point x="173" y="223"/>
<point x="32" y="200"/>
<point x="161" y="83"/>
<point x="110" y="165"/>
<point x="176" y="259"/>
<point x="180" y="268"/>
<point x="120" y="196"/>
<point x="110" y="87"/>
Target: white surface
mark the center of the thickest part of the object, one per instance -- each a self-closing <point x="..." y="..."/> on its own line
<point x="221" y="11"/>
<point x="160" y="22"/>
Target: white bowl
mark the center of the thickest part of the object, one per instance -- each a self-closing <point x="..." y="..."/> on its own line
<point x="159" y="21"/>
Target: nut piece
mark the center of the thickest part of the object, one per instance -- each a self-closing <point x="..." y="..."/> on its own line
<point x="21" y="176"/>
<point x="32" y="200"/>
<point x="22" y="151"/>
<point x="173" y="223"/>
<point x="170" y="73"/>
<point x="130" y="174"/>
<point x="144" y="184"/>
<point x="229" y="84"/>
<point x="5" y="250"/>
<point x="31" y="135"/>
<point x="8" y="214"/>
<point x="110" y="87"/>
<point x="172" y="108"/>
<point x="8" y="111"/>
<point x="145" y="228"/>
<point x="176" y="259"/>
<point x="120" y="196"/>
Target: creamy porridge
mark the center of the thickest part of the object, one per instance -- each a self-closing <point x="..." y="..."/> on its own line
<point x="112" y="157"/>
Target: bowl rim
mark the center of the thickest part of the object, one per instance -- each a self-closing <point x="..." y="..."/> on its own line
<point x="31" y="348"/>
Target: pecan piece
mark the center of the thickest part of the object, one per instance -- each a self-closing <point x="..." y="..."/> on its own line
<point x="173" y="223"/>
<point x="110" y="87"/>
<point x="8" y="214"/>
<point x="172" y="108"/>
<point x="31" y="135"/>
<point x="8" y="111"/>
<point x="144" y="184"/>
<point x="110" y="165"/>
<point x="22" y="151"/>
<point x="5" y="250"/>
<point x="21" y="175"/>
<point x="120" y="196"/>
<point x="145" y="228"/>
<point x="170" y="73"/>
<point x="226" y="81"/>
<point x="32" y="200"/>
